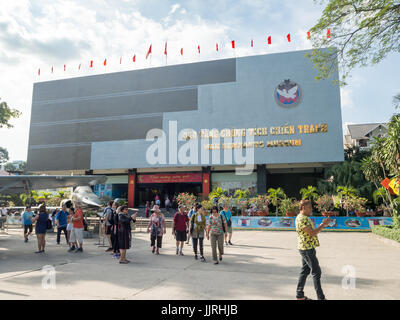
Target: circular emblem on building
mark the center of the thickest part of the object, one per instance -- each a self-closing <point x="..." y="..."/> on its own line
<point x="287" y="93"/>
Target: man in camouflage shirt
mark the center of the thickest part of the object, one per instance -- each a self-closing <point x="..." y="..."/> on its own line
<point x="307" y="242"/>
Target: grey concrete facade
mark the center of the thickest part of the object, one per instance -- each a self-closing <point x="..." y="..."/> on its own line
<point x="110" y="114"/>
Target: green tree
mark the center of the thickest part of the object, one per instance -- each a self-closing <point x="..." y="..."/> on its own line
<point x="3" y="155"/>
<point x="348" y="173"/>
<point x="309" y="193"/>
<point x="6" y="114"/>
<point x="363" y="32"/>
<point x="9" y="167"/>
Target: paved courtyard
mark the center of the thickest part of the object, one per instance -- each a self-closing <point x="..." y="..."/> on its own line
<point x="260" y="265"/>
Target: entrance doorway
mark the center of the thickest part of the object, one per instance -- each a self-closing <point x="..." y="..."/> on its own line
<point x="148" y="191"/>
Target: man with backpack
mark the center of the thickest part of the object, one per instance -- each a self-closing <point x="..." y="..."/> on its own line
<point x="226" y="213"/>
<point x="107" y="224"/>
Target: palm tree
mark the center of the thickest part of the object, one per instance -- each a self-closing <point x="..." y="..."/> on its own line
<point x="309" y="193"/>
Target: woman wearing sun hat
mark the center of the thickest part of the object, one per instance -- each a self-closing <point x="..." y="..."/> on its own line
<point x="156" y="228"/>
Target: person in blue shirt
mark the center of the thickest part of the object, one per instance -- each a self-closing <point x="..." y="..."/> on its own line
<point x="61" y="222"/>
<point x="190" y="214"/>
<point x="27" y="222"/>
<point x="226" y="213"/>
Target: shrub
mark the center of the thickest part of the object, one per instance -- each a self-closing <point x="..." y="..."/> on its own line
<point x="288" y="205"/>
<point x="325" y="203"/>
<point x="388" y="232"/>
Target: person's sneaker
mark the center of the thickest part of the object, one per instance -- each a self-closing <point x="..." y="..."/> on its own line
<point x="202" y="259"/>
<point x="196" y="257"/>
<point x="26" y="240"/>
<point x="71" y="249"/>
<point x="157" y="252"/>
<point x="220" y="258"/>
<point x="58" y="243"/>
<point x="153" y="250"/>
<point x="230" y="242"/>
<point x="109" y="250"/>
<point x="114" y="256"/>
<point x="216" y="262"/>
<point x="181" y="253"/>
<point x="177" y="251"/>
<point x="226" y="243"/>
<point x="79" y="250"/>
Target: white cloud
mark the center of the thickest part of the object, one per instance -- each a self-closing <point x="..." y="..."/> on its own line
<point x="174" y="7"/>
<point x="346" y="98"/>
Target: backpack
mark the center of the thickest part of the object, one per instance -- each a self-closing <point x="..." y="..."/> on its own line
<point x="110" y="216"/>
<point x="223" y="224"/>
<point x="228" y="222"/>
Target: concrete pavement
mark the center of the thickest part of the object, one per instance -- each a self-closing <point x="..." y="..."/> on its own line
<point x="260" y="265"/>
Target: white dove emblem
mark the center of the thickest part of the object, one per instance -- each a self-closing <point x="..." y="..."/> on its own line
<point x="288" y="94"/>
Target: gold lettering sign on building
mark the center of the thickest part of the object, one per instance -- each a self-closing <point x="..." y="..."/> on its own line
<point x="262" y="131"/>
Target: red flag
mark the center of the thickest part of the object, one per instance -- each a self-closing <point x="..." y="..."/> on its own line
<point x="79" y="67"/>
<point x="120" y="60"/>
<point x="51" y="69"/>
<point x="233" y="44"/>
<point x="165" y="49"/>
<point x="328" y="33"/>
<point x="148" y="52"/>
<point x="308" y="35"/>
<point x="288" y="37"/>
<point x="269" y="40"/>
<point x="105" y="62"/>
<point x="91" y="63"/>
<point x="198" y="48"/>
<point x="134" y="58"/>
<point x="216" y="46"/>
<point x="181" y="51"/>
<point x="64" y="67"/>
<point x="39" y="72"/>
<point x="252" y="43"/>
<point x="385" y="183"/>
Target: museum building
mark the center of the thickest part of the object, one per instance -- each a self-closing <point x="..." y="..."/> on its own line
<point x="191" y="127"/>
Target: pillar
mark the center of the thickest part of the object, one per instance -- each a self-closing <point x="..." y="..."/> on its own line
<point x="132" y="175"/>
<point x="261" y="179"/>
<point x="206" y="181"/>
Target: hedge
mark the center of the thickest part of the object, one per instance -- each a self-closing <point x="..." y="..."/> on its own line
<point x="387" y="232"/>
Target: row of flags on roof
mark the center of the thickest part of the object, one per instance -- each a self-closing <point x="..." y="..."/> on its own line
<point x="149" y="51"/>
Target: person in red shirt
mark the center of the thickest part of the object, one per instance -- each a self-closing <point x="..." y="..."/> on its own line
<point x="180" y="228"/>
<point x="77" y="230"/>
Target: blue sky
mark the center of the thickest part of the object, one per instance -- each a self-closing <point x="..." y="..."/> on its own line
<point x="44" y="33"/>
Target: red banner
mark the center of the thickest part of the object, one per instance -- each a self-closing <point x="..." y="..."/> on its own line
<point x="170" y="177"/>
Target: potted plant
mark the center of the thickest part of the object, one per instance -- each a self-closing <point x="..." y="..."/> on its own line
<point x="186" y="199"/>
<point x="288" y="207"/>
<point x="261" y="202"/>
<point x="275" y="196"/>
<point x="309" y="193"/>
<point x="326" y="206"/>
<point x="359" y="206"/>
